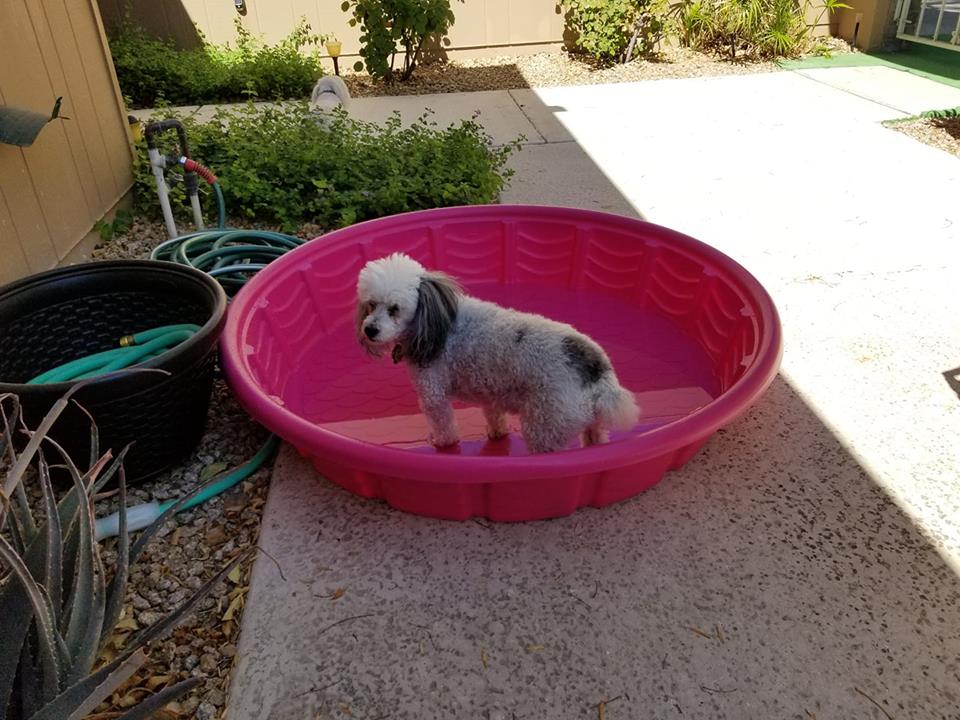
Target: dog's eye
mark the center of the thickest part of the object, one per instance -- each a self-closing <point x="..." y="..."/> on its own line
<point x="393" y="310"/>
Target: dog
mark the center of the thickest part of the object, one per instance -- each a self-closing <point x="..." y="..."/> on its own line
<point x="328" y="94"/>
<point x="457" y="347"/>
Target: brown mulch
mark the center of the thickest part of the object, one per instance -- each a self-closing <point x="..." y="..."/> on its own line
<point x="550" y="68"/>
<point x="942" y="133"/>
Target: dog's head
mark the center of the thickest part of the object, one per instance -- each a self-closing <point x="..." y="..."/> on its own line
<point x="401" y="304"/>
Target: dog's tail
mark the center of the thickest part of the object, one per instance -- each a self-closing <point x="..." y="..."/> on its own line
<point x="616" y="407"/>
<point x="331" y="84"/>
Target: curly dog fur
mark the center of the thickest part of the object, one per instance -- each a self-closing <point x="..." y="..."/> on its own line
<point x="457" y="347"/>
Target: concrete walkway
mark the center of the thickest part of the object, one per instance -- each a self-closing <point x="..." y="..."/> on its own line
<point x="804" y="565"/>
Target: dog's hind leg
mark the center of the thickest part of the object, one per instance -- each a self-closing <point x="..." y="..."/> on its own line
<point x="548" y="429"/>
<point x="596" y="434"/>
<point x="496" y="422"/>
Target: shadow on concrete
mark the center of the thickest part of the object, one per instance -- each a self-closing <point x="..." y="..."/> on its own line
<point x="950" y="125"/>
<point x="953" y="380"/>
<point x="771" y="577"/>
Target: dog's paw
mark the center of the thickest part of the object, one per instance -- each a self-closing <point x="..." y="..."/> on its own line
<point x="498" y="431"/>
<point x="443" y="439"/>
<point x="497" y="428"/>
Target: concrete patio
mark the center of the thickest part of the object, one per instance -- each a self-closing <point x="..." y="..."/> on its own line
<point x="805" y="565"/>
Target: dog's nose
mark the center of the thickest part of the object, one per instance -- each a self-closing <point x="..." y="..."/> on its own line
<point x="371" y="331"/>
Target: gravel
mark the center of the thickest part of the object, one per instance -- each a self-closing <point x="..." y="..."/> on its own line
<point x="179" y="560"/>
<point x="181" y="557"/>
<point x="942" y="133"/>
<point x="558" y="68"/>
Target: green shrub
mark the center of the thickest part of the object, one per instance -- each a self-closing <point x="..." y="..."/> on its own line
<point x="752" y="28"/>
<point x="391" y="26"/>
<point x="280" y="165"/>
<point x="154" y="72"/>
<point x="617" y="30"/>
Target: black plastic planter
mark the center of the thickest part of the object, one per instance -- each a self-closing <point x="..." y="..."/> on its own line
<point x="61" y="315"/>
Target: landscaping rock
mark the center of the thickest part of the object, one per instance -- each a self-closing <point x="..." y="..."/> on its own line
<point x="208" y="663"/>
<point x="206" y="711"/>
<point x="550" y="68"/>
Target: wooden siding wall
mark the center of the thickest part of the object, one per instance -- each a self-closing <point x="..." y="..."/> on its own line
<point x="481" y="25"/>
<point x="52" y="192"/>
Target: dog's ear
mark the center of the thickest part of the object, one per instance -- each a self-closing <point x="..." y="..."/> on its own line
<point x="362" y="312"/>
<point x="437" y="301"/>
<point x="361" y="316"/>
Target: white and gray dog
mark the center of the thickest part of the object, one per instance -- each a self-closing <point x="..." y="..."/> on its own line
<point x="328" y="94"/>
<point x="559" y="381"/>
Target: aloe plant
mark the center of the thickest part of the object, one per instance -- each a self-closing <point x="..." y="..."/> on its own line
<point x="57" y="606"/>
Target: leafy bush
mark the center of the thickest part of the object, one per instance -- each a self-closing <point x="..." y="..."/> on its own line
<point x="284" y="165"/>
<point x="108" y="229"/>
<point x="59" y="608"/>
<point x="154" y="72"/>
<point x="385" y="24"/>
<point x="754" y="28"/>
<point x="617" y="29"/>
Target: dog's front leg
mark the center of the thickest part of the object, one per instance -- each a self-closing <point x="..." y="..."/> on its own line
<point x="443" y="427"/>
<point x="439" y="411"/>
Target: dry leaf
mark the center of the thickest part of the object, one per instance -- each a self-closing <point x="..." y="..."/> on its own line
<point x="235" y="575"/>
<point x="158" y="681"/>
<point x="602" y="711"/>
<point x="234" y="503"/>
<point x="484" y="658"/>
<point x="167" y="713"/>
<point x="235" y="605"/>
<point x="345" y="709"/>
<point x="131" y="698"/>
<point x="534" y="648"/>
<point x="216" y="535"/>
<point x="227" y="628"/>
<point x="338" y="593"/>
<point x="212" y="470"/>
<point x="127" y="623"/>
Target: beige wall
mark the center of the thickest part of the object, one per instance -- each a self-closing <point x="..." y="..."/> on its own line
<point x="52" y="192"/>
<point x="875" y="17"/>
<point x="479" y="23"/>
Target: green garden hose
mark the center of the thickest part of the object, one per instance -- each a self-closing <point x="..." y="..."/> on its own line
<point x="132" y="350"/>
<point x="230" y="256"/>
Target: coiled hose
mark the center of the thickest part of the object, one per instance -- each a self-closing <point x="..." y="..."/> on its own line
<point x="230" y="256"/>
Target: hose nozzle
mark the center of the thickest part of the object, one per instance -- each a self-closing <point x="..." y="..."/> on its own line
<point x="203" y="171"/>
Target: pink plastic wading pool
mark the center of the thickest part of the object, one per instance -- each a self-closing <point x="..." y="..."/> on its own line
<point x="691" y="332"/>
